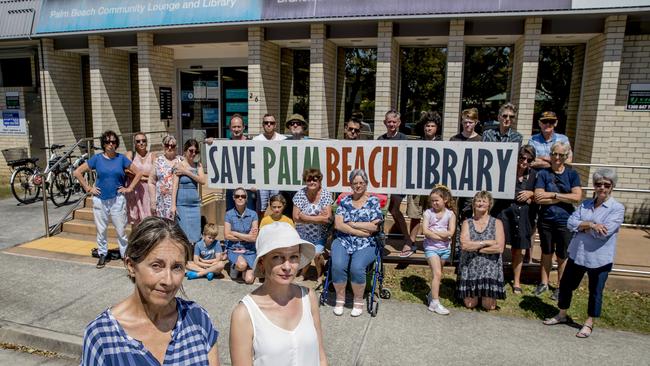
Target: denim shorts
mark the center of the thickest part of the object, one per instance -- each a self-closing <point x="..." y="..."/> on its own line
<point x="249" y="258"/>
<point x="442" y="253"/>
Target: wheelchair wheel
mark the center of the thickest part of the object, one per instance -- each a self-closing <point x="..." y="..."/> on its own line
<point x="385" y="293"/>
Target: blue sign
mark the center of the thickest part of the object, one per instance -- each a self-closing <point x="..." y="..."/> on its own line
<point x="82" y="15"/>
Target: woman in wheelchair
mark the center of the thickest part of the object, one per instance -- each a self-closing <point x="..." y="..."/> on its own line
<point x="356" y="222"/>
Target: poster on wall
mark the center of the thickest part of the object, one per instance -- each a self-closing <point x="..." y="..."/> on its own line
<point x="13" y="123"/>
<point x="638" y="97"/>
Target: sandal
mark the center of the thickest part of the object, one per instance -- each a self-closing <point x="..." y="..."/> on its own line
<point x="338" y="310"/>
<point x="357" y="311"/>
<point x="555" y="321"/>
<point x="405" y="253"/>
<point x="517" y="290"/>
<point x="583" y="333"/>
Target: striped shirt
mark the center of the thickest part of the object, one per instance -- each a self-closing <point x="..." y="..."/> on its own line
<point x="106" y="343"/>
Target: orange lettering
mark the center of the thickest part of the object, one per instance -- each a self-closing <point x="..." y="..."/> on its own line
<point x="332" y="171"/>
<point x="371" y="167"/>
<point x="345" y="166"/>
<point x="389" y="167"/>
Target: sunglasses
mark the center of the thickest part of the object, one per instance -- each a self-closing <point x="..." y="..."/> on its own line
<point x="558" y="155"/>
<point x="529" y="160"/>
<point x="354" y="130"/>
<point x="603" y="184"/>
<point x="141" y="141"/>
<point x="294" y="123"/>
<point x="193" y="151"/>
<point x="269" y="123"/>
<point x="238" y="196"/>
<point x="170" y="146"/>
<point x="313" y="179"/>
<point x="111" y="142"/>
<point x="547" y="121"/>
<point x="508" y="116"/>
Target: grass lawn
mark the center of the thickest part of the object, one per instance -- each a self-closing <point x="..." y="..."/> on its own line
<point x="622" y="310"/>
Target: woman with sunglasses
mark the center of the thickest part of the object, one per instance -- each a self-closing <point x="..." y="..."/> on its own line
<point x="595" y="225"/>
<point x="161" y="180"/>
<point x="557" y="189"/>
<point x="137" y="202"/>
<point x="518" y="216"/>
<point x="240" y="231"/>
<point x="312" y="214"/>
<point x="186" y="202"/>
<point x="108" y="192"/>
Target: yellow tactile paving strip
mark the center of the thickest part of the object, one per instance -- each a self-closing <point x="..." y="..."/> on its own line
<point x="64" y="245"/>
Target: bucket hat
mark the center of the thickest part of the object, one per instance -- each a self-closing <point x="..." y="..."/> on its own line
<point x="297" y="117"/>
<point x="281" y="235"/>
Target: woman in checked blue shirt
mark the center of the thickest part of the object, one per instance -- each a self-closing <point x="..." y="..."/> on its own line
<point x="152" y="326"/>
<point x="595" y="225"/>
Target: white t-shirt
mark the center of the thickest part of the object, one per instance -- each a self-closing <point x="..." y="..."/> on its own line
<point x="276" y="137"/>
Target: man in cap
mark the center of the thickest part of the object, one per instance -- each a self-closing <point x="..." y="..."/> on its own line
<point x="297" y="126"/>
<point x="543" y="141"/>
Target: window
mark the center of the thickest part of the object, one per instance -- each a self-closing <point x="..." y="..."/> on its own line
<point x="359" y="87"/>
<point x="16" y="72"/>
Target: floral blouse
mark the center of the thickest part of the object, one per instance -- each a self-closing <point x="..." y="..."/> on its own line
<point x="370" y="211"/>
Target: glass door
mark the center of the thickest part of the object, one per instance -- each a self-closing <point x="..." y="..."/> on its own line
<point x="200" y="101"/>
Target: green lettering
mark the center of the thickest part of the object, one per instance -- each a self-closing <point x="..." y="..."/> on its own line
<point x="269" y="161"/>
<point x="284" y="176"/>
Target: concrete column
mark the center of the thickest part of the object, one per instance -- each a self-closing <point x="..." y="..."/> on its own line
<point x="524" y="78"/>
<point x="263" y="79"/>
<point x="574" y="95"/>
<point x="62" y="96"/>
<point x="110" y="89"/>
<point x="155" y="69"/>
<point x="387" y="74"/>
<point x="322" y="83"/>
<point x="454" y="78"/>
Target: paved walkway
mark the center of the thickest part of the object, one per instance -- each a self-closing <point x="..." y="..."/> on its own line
<point x="49" y="302"/>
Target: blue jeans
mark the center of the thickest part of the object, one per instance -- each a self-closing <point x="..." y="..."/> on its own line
<point x="353" y="265"/>
<point x="115" y="210"/>
<point x="571" y="279"/>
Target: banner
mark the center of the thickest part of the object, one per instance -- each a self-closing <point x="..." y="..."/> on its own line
<point x="394" y="167"/>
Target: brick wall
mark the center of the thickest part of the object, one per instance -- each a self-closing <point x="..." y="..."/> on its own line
<point x="387" y="75"/>
<point x="287" y="98"/>
<point x="524" y="78"/>
<point x="155" y="69"/>
<point x="454" y="78"/>
<point x="573" y="104"/>
<point x="263" y="79"/>
<point x="62" y="95"/>
<point x="7" y="142"/>
<point x="110" y="90"/>
<point x="322" y="83"/>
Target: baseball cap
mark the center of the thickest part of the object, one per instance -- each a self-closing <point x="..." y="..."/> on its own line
<point x="548" y="115"/>
<point x="278" y="235"/>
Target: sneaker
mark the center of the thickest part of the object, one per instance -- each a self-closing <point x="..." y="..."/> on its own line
<point x="234" y="273"/>
<point x="101" y="263"/>
<point x="555" y="294"/>
<point x="438" y="308"/>
<point x="540" y="289"/>
<point x="210" y="276"/>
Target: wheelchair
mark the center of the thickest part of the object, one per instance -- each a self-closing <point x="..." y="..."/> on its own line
<point x="374" y="272"/>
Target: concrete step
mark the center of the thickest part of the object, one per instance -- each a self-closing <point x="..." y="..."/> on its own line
<point x="88" y="228"/>
<point x="84" y="214"/>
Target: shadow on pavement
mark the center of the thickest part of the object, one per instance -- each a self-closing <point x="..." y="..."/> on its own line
<point x="538" y="307"/>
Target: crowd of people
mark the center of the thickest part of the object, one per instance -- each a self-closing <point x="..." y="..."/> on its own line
<point x="278" y="234"/>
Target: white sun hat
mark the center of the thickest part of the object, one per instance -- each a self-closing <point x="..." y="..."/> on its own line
<point x="281" y="235"/>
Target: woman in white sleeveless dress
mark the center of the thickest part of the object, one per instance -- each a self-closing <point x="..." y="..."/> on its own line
<point x="278" y="323"/>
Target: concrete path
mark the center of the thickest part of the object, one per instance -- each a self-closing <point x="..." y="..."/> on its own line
<point x="49" y="302"/>
<point x="9" y="357"/>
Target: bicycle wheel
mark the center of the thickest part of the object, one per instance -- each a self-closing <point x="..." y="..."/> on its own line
<point x="61" y="188"/>
<point x="22" y="185"/>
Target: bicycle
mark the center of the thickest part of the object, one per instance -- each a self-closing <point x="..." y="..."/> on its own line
<point x="27" y="179"/>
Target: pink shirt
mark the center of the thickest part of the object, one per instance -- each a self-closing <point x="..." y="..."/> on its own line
<point x="433" y="224"/>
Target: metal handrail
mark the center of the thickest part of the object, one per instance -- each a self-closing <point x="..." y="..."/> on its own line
<point x="66" y="155"/>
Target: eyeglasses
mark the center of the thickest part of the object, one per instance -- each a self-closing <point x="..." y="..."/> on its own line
<point x="529" y="160"/>
<point x="603" y="184"/>
<point x="170" y="146"/>
<point x="239" y="196"/>
<point x="313" y="179"/>
<point x="354" y="130"/>
<point x="294" y="123"/>
<point x="269" y="123"/>
<point x="547" y="121"/>
<point x="111" y="142"/>
<point x="508" y="116"/>
<point x="141" y="141"/>
<point x="558" y="155"/>
<point x="192" y="151"/>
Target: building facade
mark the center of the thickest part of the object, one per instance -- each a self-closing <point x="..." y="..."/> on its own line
<point x="187" y="66"/>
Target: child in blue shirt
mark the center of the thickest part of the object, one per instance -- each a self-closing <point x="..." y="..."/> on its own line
<point x="209" y="258"/>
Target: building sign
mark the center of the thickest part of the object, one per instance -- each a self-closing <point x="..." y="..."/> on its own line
<point x="82" y="15"/>
<point x="12" y="100"/>
<point x="404" y="167"/>
<point x="13" y="123"/>
<point x="599" y="4"/>
<point x="638" y="97"/>
<point x="166" y="103"/>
